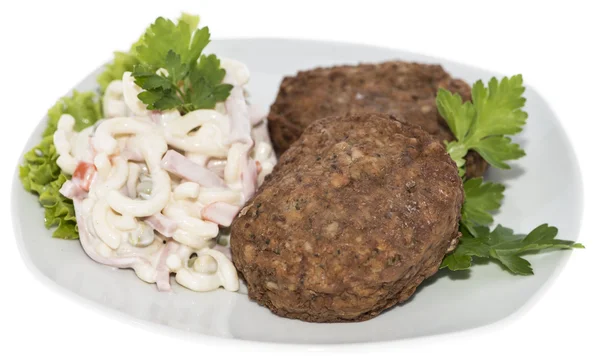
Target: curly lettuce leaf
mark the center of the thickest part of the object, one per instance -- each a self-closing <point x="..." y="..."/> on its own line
<point x="60" y="211"/>
<point x="83" y="106"/>
<point x="40" y="168"/>
<point x="123" y="62"/>
<point x="41" y="175"/>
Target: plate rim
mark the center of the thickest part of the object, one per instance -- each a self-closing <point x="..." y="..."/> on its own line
<point x="175" y="332"/>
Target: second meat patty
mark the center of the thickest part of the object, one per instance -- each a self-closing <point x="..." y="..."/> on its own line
<point x="404" y="89"/>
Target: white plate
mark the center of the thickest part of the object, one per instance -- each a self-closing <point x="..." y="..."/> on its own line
<point x="543" y="187"/>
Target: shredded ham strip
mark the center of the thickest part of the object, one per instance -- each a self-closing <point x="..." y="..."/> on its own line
<point x="220" y="213"/>
<point x="162" y="224"/>
<point x="249" y="179"/>
<point x="183" y="167"/>
<point x="162" y="271"/>
<point x="240" y="133"/>
<point x="217" y="166"/>
<point x="72" y="191"/>
<point x="239" y="116"/>
<point x="132" y="154"/>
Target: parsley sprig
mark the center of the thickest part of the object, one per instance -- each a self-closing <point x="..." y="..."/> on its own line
<point x="483" y="125"/>
<point x="503" y="245"/>
<point x="172" y="69"/>
<point x="481" y="199"/>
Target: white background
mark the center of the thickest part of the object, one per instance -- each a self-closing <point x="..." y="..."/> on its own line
<point x="47" y="47"/>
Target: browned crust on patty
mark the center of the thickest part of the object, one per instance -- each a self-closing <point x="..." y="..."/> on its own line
<point x="358" y="212"/>
<point x="404" y="89"/>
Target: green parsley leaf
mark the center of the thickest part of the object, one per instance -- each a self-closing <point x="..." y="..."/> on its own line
<point x="166" y="102"/>
<point x="482" y="125"/>
<point x="481" y="198"/>
<point x="205" y="89"/>
<point x="125" y="61"/>
<point x="209" y="69"/>
<point x="174" y="67"/>
<point x="150" y="98"/>
<point x="161" y="90"/>
<point x="148" y="79"/>
<point x="164" y="36"/>
<point x="191" y="20"/>
<point x="504" y="246"/>
<point x="192" y="81"/>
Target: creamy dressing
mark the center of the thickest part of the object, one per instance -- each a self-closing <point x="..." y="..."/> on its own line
<point x="151" y="189"/>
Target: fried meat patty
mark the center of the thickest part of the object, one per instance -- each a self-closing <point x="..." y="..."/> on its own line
<point x="404" y="89"/>
<point x="358" y="212"/>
